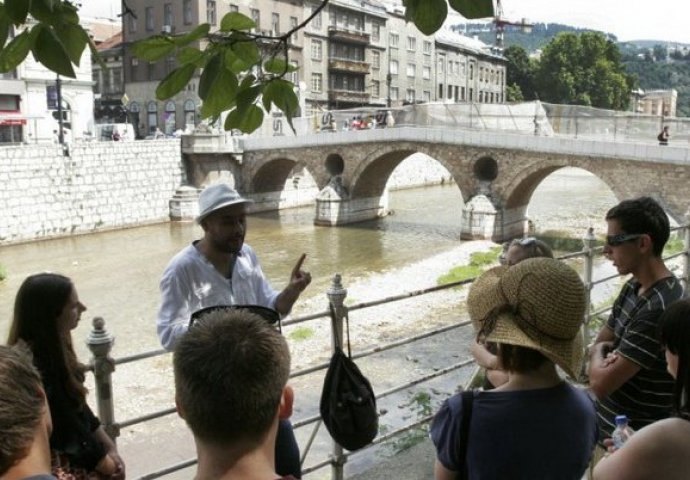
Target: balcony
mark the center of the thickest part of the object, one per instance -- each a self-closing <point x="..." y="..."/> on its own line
<point x="349" y="36"/>
<point x="348" y="96"/>
<point x="348" y="65"/>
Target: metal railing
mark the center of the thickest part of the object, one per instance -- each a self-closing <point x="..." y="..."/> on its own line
<point x="100" y="343"/>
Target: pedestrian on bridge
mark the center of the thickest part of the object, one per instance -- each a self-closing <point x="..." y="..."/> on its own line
<point x="220" y="269"/>
<point x="663" y="136"/>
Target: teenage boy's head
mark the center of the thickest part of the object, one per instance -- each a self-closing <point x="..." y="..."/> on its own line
<point x="631" y="220"/>
<point x="23" y="409"/>
<point x="231" y="371"/>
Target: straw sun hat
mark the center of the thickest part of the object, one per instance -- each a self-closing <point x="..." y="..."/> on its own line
<point x="538" y="303"/>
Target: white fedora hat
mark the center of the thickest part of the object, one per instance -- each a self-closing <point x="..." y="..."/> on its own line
<point x="217" y="196"/>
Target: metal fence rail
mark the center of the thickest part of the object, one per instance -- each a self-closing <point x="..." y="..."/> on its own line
<point x="100" y="344"/>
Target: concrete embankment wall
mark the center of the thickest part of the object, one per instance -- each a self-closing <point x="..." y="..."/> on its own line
<point x="101" y="185"/>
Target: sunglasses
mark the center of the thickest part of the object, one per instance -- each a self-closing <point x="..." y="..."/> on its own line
<point x="268" y="314"/>
<point x="621" y="238"/>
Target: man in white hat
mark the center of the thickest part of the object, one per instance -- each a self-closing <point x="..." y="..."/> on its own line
<point x="220" y="269"/>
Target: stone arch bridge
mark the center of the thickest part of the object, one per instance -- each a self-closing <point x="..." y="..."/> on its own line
<point x="496" y="172"/>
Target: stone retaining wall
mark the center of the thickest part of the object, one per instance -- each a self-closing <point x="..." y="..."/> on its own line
<point x="101" y="185"/>
<point x="418" y="170"/>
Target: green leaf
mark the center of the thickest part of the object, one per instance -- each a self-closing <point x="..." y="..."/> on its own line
<point x="220" y="92"/>
<point x="209" y="75"/>
<point x="5" y="25"/>
<point x="248" y="96"/>
<point x="197" y="34"/>
<point x="49" y="51"/>
<point x="191" y="55"/>
<point x="15" y="52"/>
<point x="278" y="66"/>
<point x="17" y="10"/>
<point x="471" y="9"/>
<point x="245" y="120"/>
<point x="74" y="38"/>
<point x="247" y="51"/>
<point x="153" y="49"/>
<point x="282" y="94"/>
<point x="236" y="21"/>
<point x="175" y="81"/>
<point x="430" y="15"/>
<point x="235" y="64"/>
<point x="44" y="11"/>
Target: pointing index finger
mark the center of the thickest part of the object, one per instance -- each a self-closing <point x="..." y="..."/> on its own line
<point x="298" y="266"/>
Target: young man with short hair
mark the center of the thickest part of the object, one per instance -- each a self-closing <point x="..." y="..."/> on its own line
<point x="627" y="370"/>
<point x="25" y="422"/>
<point x="231" y="372"/>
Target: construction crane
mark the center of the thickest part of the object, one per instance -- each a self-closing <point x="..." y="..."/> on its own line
<point x="501" y="22"/>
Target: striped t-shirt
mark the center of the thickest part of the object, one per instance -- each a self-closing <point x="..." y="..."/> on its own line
<point x="647" y="396"/>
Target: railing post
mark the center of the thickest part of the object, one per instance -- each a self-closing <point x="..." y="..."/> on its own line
<point x="686" y="245"/>
<point x="336" y="297"/>
<point x="100" y="342"/>
<point x="588" y="243"/>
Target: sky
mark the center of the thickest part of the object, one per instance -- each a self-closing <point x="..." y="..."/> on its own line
<point x="627" y="19"/>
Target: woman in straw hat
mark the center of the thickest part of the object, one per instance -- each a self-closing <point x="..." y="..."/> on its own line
<point x="661" y="450"/>
<point x="485" y="354"/>
<point x="536" y="425"/>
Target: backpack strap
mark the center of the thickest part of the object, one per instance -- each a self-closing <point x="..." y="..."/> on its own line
<point x="347" y="328"/>
<point x="467" y="397"/>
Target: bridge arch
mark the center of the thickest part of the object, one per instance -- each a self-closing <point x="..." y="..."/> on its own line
<point x="370" y="177"/>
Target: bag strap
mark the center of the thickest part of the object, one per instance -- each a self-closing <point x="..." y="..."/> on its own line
<point x="467" y="400"/>
<point x="347" y="329"/>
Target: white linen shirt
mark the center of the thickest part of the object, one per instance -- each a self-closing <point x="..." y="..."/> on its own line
<point x="190" y="282"/>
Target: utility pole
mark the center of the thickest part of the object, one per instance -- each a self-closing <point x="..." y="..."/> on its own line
<point x="389" y="80"/>
<point x="58" y="90"/>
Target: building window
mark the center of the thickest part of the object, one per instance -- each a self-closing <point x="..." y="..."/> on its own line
<point x="150" y="71"/>
<point x="462" y="94"/>
<point x="169" y="118"/>
<point x="450" y="91"/>
<point x="427" y="47"/>
<point x="117" y="80"/>
<point x="427" y="96"/>
<point x="410" y="97"/>
<point x="148" y="13"/>
<point x="471" y="94"/>
<point x="294" y="76"/>
<point x="316" y="49"/>
<point x="256" y="16"/>
<point x="471" y="76"/>
<point x="375" y="31"/>
<point x="395" y="95"/>
<point x="394" y="67"/>
<point x="189" y="113"/>
<point x="376" y="88"/>
<point x="186" y="12"/>
<point x="375" y="60"/>
<point x="410" y="69"/>
<point x="233" y="9"/>
<point x="411" y="44"/>
<point x="168" y="15"/>
<point x="211" y="11"/>
<point x="457" y="89"/>
<point x="440" y="91"/>
<point x="316" y="21"/>
<point x="316" y="82"/>
<point x="152" y="116"/>
<point x="441" y="65"/>
<point x="132" y="24"/>
<point x="133" y="69"/>
<point x="275" y="23"/>
<point x="96" y="77"/>
<point x="293" y="25"/>
<point x="426" y="73"/>
<point x="394" y="40"/>
<point x="169" y="64"/>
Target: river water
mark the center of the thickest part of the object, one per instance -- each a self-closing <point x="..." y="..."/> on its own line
<point x="117" y="272"/>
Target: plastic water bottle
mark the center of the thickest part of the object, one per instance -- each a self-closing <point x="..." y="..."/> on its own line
<point x="622" y="432"/>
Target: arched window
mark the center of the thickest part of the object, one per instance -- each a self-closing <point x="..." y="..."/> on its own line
<point x="152" y="109"/>
<point x="169" y="117"/>
<point x="189" y="114"/>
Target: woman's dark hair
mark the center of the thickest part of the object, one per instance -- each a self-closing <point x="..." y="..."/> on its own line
<point x="40" y="301"/>
<point x="674" y="333"/>
<point x="519" y="359"/>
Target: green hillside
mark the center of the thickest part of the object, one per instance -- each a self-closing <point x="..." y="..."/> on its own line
<point x="648" y="60"/>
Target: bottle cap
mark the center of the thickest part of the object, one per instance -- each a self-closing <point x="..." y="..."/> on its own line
<point x="621" y="419"/>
